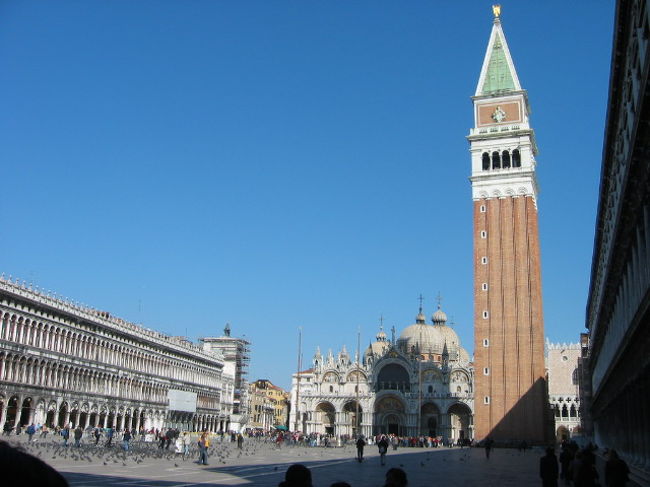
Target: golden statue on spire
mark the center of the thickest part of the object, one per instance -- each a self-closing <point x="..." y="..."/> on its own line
<point x="496" y="9"/>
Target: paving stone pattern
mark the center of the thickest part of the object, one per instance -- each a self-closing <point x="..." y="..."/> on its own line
<point x="262" y="464"/>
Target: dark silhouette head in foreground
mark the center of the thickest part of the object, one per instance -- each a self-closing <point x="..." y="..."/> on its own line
<point x="396" y="477"/>
<point x="27" y="470"/>
<point x="297" y="476"/>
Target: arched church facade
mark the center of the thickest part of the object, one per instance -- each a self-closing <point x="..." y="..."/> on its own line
<point x="418" y="384"/>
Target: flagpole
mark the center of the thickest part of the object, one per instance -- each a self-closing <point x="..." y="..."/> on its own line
<point x="298" y="379"/>
<point x="356" y="417"/>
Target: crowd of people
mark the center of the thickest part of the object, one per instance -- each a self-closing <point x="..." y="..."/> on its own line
<point x="577" y="467"/>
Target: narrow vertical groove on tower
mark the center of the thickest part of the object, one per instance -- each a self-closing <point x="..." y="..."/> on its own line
<point x="508" y="328"/>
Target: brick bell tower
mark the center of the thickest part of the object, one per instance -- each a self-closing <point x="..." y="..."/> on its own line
<point x="509" y="381"/>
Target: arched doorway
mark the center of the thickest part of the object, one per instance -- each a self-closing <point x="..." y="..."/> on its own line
<point x="51" y="415"/>
<point x="389" y="416"/>
<point x="103" y="418"/>
<point x="83" y="416"/>
<point x="392" y="425"/>
<point x="134" y="420"/>
<point x="352" y="417"/>
<point x="40" y="412"/>
<point x="26" y="411"/>
<point x="63" y="412"/>
<point x="12" y="409"/>
<point x="429" y="420"/>
<point x="326" y="416"/>
<point x="460" y="420"/>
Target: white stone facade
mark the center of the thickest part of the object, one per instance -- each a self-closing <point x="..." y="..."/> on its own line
<point x="420" y="383"/>
<point x="563" y="387"/>
<point x="62" y="364"/>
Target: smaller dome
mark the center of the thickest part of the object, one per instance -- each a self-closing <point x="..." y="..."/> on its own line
<point x="377" y="348"/>
<point x="439" y="317"/>
<point x="381" y="336"/>
<point x="420" y="318"/>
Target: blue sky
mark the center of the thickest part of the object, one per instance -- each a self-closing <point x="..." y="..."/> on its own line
<point x="184" y="164"/>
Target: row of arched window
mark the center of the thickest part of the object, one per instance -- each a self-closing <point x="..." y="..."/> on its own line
<point x="501" y="160"/>
<point x="54" y="375"/>
<point x="565" y="412"/>
<point x="14" y="328"/>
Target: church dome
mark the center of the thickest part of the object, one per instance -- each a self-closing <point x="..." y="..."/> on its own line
<point x="439" y="317"/>
<point x="381" y="336"/>
<point x="377" y="348"/>
<point x="450" y="336"/>
<point x="425" y="337"/>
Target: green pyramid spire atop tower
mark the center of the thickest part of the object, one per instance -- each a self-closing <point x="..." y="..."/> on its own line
<point x="498" y="74"/>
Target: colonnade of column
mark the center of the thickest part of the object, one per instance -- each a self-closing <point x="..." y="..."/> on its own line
<point x="625" y="422"/>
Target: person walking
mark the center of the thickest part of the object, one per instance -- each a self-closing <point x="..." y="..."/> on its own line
<point x="584" y="469"/>
<point x="240" y="440"/>
<point x="31" y="430"/>
<point x="382" y="445"/>
<point x="488" y="447"/>
<point x="185" y="443"/>
<point x="109" y="436"/>
<point x="96" y="434"/>
<point x="360" y="444"/>
<point x="78" y="433"/>
<point x="566" y="456"/>
<point x="204" y="444"/>
<point x="548" y="468"/>
<point x="616" y="470"/>
<point x="126" y="438"/>
<point x="65" y="433"/>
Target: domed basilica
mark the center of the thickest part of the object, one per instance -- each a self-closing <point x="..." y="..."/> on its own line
<point x="418" y="384"/>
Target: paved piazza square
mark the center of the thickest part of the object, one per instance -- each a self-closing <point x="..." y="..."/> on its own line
<point x="264" y="464"/>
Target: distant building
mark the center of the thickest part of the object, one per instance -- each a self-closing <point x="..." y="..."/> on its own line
<point x="618" y="308"/>
<point x="563" y="387"/>
<point x="66" y="364"/>
<point x="419" y="383"/>
<point x="279" y="399"/>
<point x="236" y="356"/>
<point x="262" y="409"/>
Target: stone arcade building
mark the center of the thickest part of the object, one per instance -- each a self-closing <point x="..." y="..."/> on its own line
<point x="616" y="380"/>
<point x="61" y="363"/>
<point x="420" y="383"/>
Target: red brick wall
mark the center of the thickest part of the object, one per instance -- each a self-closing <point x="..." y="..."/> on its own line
<point x="514" y="327"/>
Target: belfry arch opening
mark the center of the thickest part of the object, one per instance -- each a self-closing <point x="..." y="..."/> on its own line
<point x="505" y="159"/>
<point x="486" y="161"/>
<point x="496" y="160"/>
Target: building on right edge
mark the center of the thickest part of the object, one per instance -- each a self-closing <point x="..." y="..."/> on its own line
<point x="509" y="380"/>
<point x="617" y="363"/>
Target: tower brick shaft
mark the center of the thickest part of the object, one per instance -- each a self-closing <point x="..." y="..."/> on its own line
<point x="510" y="388"/>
